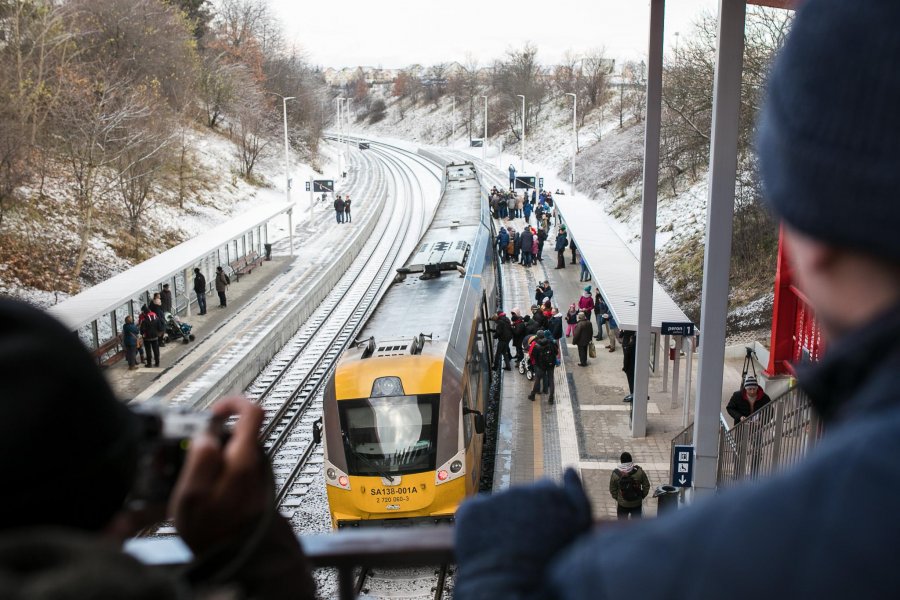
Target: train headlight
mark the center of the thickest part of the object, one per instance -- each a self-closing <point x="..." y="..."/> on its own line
<point x="387" y="386"/>
<point x="335" y="477"/>
<point x="452" y="469"/>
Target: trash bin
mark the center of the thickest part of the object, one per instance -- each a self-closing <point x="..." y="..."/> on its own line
<point x="666" y="499"/>
<point x="268" y="248"/>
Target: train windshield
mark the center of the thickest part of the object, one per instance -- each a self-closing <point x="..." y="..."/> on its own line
<point x="392" y="435"/>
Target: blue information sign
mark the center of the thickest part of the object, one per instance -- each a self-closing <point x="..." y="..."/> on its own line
<point x="683" y="466"/>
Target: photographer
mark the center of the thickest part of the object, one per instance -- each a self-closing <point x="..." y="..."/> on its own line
<point x="69" y="460"/>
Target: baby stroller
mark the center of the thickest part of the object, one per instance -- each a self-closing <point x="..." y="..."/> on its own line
<point x="176" y="329"/>
<point x="525" y="366"/>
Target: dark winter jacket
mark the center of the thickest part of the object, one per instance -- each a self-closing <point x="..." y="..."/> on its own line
<point x="222" y="281"/>
<point x="556" y="326"/>
<point x="347" y="205"/>
<point x="527" y="241"/>
<point x="561" y="242"/>
<point x="199" y="283"/>
<point x="339" y="205"/>
<point x="532" y="326"/>
<point x="541" y="292"/>
<point x="600" y="306"/>
<point x="503" y="239"/>
<point x="520" y="328"/>
<point x="583" y="333"/>
<point x="739" y="404"/>
<point x="503" y="329"/>
<point x="149" y="325"/>
<point x="615" y="491"/>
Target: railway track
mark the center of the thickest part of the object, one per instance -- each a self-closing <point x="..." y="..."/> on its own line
<point x="424" y="583"/>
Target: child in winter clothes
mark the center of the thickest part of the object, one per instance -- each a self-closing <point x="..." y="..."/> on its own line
<point x="571" y="319"/>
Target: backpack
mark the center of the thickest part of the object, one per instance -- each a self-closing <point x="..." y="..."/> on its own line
<point x="546" y="357"/>
<point x="630" y="488"/>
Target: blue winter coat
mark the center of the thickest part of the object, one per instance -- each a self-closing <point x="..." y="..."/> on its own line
<point x="561" y="242"/>
<point x="503" y="238"/>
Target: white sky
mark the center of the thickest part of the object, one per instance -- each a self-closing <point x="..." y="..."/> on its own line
<point x="397" y="33"/>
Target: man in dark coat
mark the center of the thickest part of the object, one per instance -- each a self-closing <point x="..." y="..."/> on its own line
<point x="339" y="209"/>
<point x="544" y="355"/>
<point x="148" y="323"/>
<point x="527" y="242"/>
<point x="581" y="337"/>
<point x="504" y="334"/>
<point x="561" y="242"/>
<point x="827" y="156"/>
<point x="629" y="339"/>
<point x="747" y="400"/>
<point x="200" y="290"/>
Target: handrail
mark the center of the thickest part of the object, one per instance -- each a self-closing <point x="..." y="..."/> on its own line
<point x="777" y="435"/>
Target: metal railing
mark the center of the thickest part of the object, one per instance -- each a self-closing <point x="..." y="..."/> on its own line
<point x="684" y="438"/>
<point x="776" y="436"/>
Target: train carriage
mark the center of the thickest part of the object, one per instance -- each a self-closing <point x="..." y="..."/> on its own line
<point x="403" y="411"/>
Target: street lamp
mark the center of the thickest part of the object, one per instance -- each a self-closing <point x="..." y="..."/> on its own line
<point x="523" y="130"/>
<point x="574" y="134"/>
<point x="287" y="159"/>
<point x="452" y="116"/>
<point x="484" y="141"/>
<point x="340" y="127"/>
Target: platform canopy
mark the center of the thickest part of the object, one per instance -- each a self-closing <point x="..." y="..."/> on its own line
<point x="105" y="297"/>
<point x="615" y="268"/>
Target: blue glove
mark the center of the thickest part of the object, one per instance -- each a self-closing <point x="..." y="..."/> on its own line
<point x="505" y="541"/>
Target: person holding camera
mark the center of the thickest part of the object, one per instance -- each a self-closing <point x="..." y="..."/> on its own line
<point x="74" y="462"/>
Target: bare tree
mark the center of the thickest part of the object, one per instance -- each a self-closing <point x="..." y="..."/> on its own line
<point x="253" y="129"/>
<point x="520" y="74"/>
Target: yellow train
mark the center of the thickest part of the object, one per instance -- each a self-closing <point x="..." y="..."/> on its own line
<point x="403" y="411"/>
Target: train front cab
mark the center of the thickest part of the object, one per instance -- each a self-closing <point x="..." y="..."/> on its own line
<point x="391" y="460"/>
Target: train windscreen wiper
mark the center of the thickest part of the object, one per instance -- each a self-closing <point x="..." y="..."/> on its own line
<point x="369" y="462"/>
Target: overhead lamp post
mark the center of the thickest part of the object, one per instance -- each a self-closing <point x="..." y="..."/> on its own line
<point x="340" y="105"/>
<point x="523" y="130"/>
<point x="287" y="157"/>
<point x="574" y="134"/>
<point x="484" y="141"/>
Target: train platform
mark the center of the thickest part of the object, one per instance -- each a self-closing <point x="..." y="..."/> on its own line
<point x="588" y="426"/>
<point x="261" y="306"/>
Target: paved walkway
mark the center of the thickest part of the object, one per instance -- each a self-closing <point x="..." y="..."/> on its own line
<point x="589" y="425"/>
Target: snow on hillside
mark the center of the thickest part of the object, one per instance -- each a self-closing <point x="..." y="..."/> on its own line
<point x="216" y="194"/>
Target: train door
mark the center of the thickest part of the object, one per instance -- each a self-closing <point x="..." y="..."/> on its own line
<point x="486" y="340"/>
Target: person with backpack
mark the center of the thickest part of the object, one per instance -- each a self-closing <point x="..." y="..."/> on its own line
<point x="148" y="323"/>
<point x="600" y="311"/>
<point x="503" y="244"/>
<point x="222" y="283"/>
<point x="543" y="355"/>
<point x="628" y="485"/>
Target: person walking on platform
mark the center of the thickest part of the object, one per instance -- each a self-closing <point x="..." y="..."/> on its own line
<point x="339" y="209"/>
<point x="148" y="323"/>
<point x="544" y="353"/>
<point x="571" y="319"/>
<point x="629" y="339"/>
<point x="541" y="237"/>
<point x="561" y="242"/>
<point x="628" y="485"/>
<point x="574" y="249"/>
<point x="746" y="401"/>
<point x="222" y="283"/>
<point x="581" y="337"/>
<point x="502" y="244"/>
<point x="526" y="212"/>
<point x="827" y="156"/>
<point x="504" y="334"/>
<point x="130" y="336"/>
<point x="556" y="324"/>
<point x="347" y="218"/>
<point x="600" y="310"/>
<point x="200" y="290"/>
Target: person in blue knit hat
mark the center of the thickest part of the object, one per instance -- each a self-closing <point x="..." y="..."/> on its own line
<point x="829" y="157"/>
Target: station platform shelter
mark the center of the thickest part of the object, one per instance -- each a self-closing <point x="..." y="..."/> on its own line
<point x="98" y="313"/>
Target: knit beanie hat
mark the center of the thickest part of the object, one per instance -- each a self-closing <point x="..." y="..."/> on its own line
<point x="68" y="447"/>
<point x="829" y="132"/>
<point x="750" y="381"/>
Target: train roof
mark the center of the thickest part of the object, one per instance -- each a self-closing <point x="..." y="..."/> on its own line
<point x="425" y="297"/>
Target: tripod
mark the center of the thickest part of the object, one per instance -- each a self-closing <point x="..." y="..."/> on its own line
<point x="748" y="364"/>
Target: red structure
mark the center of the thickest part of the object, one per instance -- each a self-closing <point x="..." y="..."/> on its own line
<point x="796" y="337"/>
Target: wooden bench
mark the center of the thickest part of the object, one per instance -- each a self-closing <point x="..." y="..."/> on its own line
<point x="110" y="352"/>
<point x="245" y="264"/>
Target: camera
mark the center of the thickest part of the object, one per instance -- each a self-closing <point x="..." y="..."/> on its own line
<point x="165" y="436"/>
